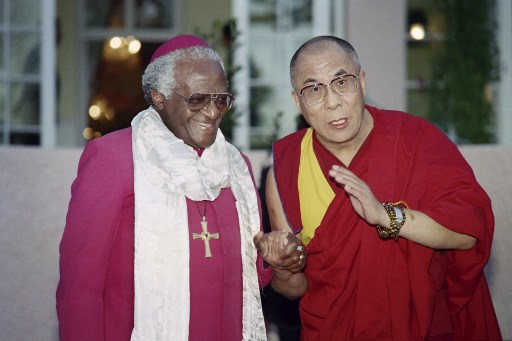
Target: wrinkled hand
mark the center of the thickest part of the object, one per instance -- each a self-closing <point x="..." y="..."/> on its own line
<point x="282" y="250"/>
<point x="362" y="198"/>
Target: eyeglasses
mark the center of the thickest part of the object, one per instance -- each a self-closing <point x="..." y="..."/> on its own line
<point x="342" y="85"/>
<point x="198" y="101"/>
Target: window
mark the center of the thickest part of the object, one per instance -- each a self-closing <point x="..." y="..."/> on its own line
<point x="26" y="63"/>
<point x="119" y="37"/>
<point x="425" y="39"/>
<point x="275" y="30"/>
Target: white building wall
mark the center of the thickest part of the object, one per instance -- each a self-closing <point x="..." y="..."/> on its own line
<point x="376" y="30"/>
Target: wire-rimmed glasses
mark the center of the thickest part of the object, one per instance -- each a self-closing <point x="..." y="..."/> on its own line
<point x="341" y="85"/>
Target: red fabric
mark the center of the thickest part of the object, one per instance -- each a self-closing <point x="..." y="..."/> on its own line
<point x="364" y="288"/>
<point x="95" y="296"/>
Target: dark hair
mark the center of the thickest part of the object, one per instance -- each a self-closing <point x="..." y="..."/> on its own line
<point x="343" y="44"/>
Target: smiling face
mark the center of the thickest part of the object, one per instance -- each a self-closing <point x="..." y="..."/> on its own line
<point x="340" y="122"/>
<point x="197" y="129"/>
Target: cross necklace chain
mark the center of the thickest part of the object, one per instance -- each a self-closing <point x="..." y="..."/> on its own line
<point x="205" y="235"/>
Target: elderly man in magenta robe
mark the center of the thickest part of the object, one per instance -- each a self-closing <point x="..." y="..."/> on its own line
<point x="158" y="243"/>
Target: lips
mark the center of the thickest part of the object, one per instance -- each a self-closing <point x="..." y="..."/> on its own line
<point x="205" y="125"/>
<point x="339" y="122"/>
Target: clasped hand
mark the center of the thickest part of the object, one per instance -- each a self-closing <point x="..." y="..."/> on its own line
<point x="282" y="250"/>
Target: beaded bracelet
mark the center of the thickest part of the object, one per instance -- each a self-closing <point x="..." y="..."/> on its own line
<point x="397" y="217"/>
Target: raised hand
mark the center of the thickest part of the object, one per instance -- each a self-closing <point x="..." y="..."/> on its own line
<point x="362" y="198"/>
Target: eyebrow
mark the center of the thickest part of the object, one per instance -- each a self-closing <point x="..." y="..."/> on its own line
<point x="340" y="72"/>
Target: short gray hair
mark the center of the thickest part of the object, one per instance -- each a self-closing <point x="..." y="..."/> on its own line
<point x="160" y="74"/>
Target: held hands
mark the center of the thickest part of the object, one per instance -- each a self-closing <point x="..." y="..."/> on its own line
<point x="362" y="198"/>
<point x="282" y="250"/>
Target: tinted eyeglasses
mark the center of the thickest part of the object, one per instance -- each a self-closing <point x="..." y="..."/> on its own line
<point x="198" y="101"/>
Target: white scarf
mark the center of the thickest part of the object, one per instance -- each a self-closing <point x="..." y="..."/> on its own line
<point x="166" y="172"/>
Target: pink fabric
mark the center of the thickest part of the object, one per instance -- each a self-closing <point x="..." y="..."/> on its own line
<point x="96" y="289"/>
<point x="176" y="43"/>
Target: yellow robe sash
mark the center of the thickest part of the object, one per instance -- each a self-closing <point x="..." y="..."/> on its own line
<point x="315" y="193"/>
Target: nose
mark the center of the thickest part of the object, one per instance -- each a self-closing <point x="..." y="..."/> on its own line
<point x="211" y="110"/>
<point x="332" y="100"/>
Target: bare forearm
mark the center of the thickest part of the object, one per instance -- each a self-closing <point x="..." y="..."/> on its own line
<point x="288" y="284"/>
<point x="425" y="231"/>
<point x="422" y="229"/>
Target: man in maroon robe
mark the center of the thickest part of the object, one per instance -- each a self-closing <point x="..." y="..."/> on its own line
<point x="194" y="207"/>
<point x="409" y="269"/>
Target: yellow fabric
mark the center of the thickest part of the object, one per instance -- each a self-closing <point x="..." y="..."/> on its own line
<point x="315" y="193"/>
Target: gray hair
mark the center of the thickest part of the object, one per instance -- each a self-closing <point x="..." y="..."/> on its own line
<point x="316" y="41"/>
<point x="160" y="74"/>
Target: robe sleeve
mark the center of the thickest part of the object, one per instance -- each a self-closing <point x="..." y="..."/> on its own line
<point x="91" y="225"/>
<point x="447" y="191"/>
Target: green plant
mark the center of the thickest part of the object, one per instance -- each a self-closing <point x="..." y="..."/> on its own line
<point x="463" y="71"/>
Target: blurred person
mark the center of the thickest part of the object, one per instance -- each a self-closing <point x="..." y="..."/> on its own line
<point x="396" y="227"/>
<point x="158" y="243"/>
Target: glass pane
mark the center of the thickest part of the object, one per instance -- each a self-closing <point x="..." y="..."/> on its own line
<point x="25" y="101"/>
<point x="281" y="15"/>
<point x="24" y="138"/>
<point x="417" y="102"/>
<point x="2" y="61"/>
<point x="429" y="13"/>
<point x="272" y="114"/>
<point x="25" y="12"/>
<point x="116" y="93"/>
<point x="263" y="12"/>
<point x="259" y="96"/>
<point x="2" y="99"/>
<point x="419" y="60"/>
<point x="263" y="58"/>
<point x="25" y="53"/>
<point x="154" y="13"/>
<point x="104" y="13"/>
<point x="300" y="13"/>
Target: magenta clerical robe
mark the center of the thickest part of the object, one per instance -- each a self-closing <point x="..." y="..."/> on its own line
<point x="95" y="296"/>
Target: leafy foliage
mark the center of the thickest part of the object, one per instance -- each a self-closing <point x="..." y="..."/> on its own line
<point x="460" y="96"/>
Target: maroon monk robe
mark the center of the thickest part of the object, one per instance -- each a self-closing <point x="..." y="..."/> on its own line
<point x="363" y="288"/>
<point x="95" y="296"/>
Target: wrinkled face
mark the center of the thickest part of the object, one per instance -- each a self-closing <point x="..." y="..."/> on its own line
<point x="338" y="121"/>
<point x="197" y="129"/>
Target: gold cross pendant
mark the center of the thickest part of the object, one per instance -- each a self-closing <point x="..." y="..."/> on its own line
<point x="205" y="236"/>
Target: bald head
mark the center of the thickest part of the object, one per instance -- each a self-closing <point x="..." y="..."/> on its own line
<point x="318" y="44"/>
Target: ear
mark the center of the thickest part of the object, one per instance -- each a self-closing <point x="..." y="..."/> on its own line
<point x="296" y="100"/>
<point x="362" y="80"/>
<point x="158" y="99"/>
